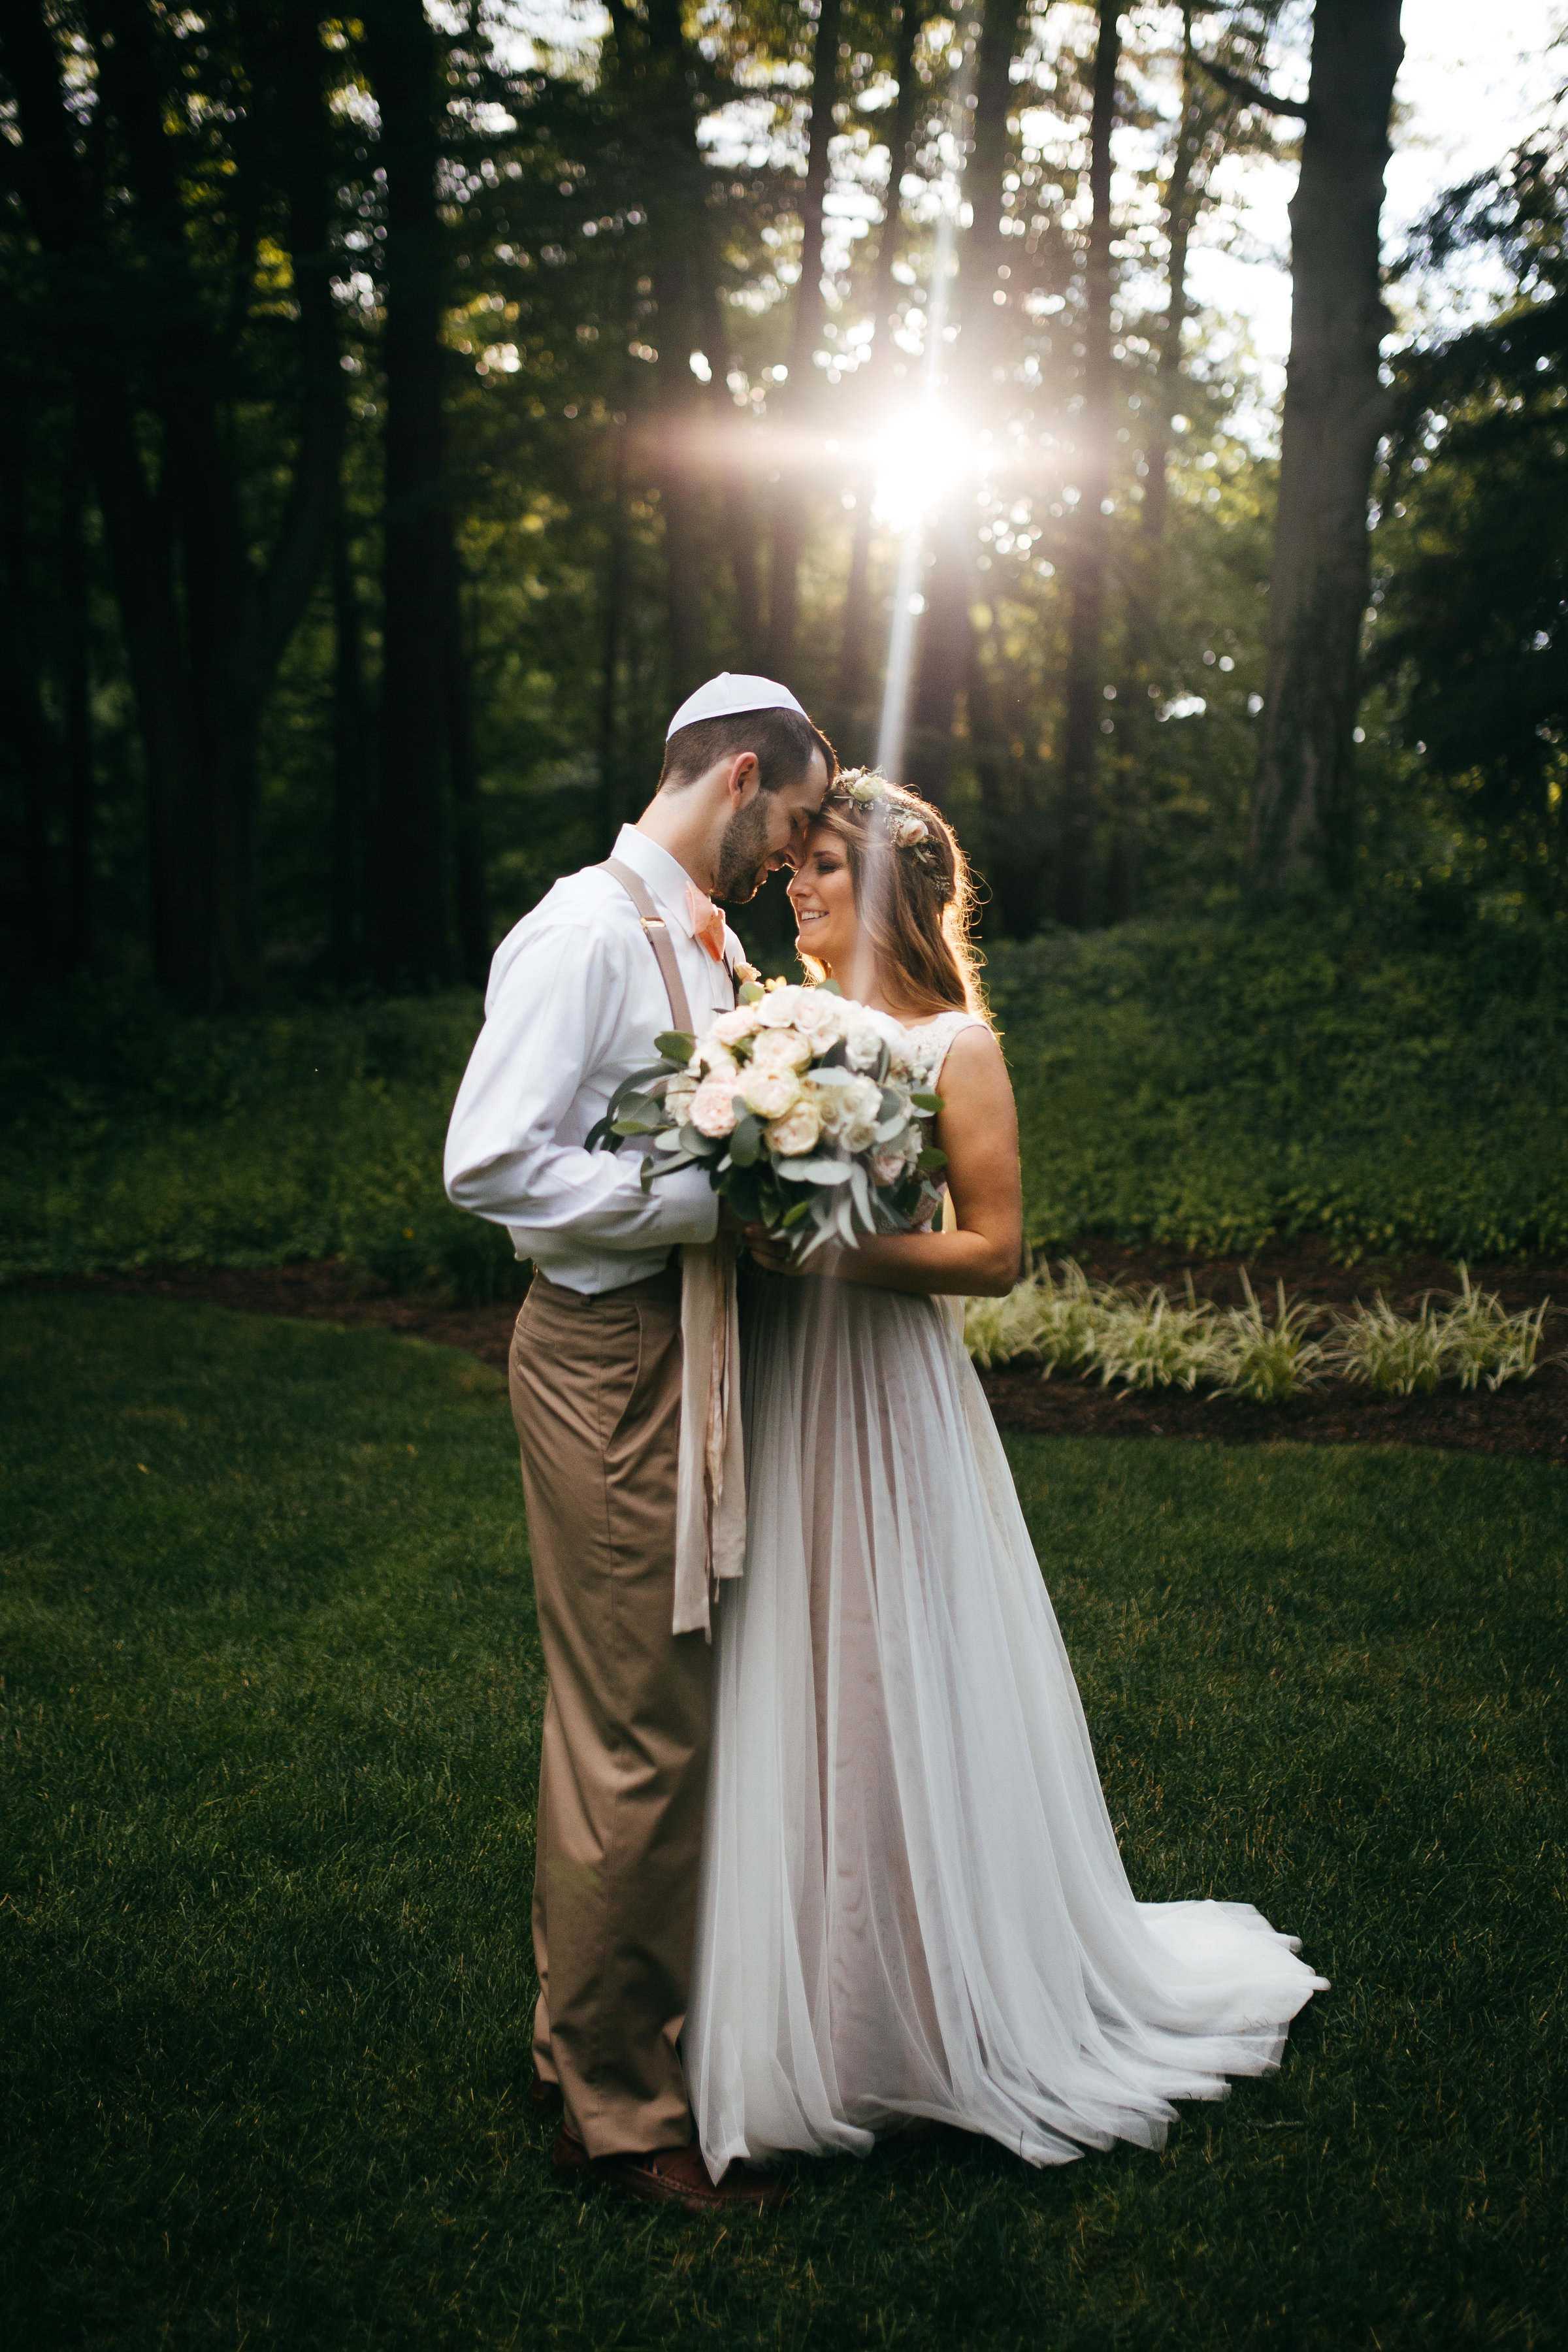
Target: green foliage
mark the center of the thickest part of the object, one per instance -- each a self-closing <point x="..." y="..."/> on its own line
<point x="1471" y="572"/>
<point x="137" y="1139"/>
<point x="268" y="1731"/>
<point x="1205" y="1082"/>
<point x="1209" y="1082"/>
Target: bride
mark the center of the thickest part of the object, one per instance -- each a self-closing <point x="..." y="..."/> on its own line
<point x="913" y="1903"/>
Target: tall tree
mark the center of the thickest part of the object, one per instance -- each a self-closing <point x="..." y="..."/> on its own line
<point x="948" y="655"/>
<point x="151" y="219"/>
<point x="353" y="763"/>
<point x="413" y="946"/>
<point x="790" y="500"/>
<point x="78" y="910"/>
<point x="854" y="719"/>
<point x="1336" y="409"/>
<point x="1090" y="540"/>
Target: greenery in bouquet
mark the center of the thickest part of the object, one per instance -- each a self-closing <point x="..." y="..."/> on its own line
<point x="803" y="1107"/>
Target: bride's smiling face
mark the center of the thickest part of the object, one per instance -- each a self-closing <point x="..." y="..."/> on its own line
<point x="823" y="896"/>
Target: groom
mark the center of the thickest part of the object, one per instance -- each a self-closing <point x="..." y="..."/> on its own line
<point x="577" y="993"/>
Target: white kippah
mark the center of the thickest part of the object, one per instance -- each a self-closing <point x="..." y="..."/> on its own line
<point x="733" y="690"/>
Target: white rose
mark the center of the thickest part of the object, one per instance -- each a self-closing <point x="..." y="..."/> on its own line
<point x="769" y="1093"/>
<point x="862" y="1044"/>
<point x="887" y="1165"/>
<point x="779" y="1049"/>
<point x="820" y="1019"/>
<point x="717" y="1062"/>
<point x="861" y="1108"/>
<point x="797" y="1131"/>
<point x="677" y="1097"/>
<point x="731" y="1027"/>
<point x="827" y="1098"/>
<point x="713" y="1108"/>
<point x="781" y="1008"/>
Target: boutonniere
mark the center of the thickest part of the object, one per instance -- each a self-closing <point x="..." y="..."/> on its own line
<point x="743" y="971"/>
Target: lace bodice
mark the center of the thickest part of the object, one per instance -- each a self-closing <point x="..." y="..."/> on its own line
<point x="930" y="1041"/>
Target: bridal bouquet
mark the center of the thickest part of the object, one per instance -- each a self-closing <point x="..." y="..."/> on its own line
<point x="801" y="1106"/>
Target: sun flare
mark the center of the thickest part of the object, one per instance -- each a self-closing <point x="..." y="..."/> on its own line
<point x="918" y="457"/>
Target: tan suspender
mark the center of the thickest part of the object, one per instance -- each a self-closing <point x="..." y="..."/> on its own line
<point x="659" y="941"/>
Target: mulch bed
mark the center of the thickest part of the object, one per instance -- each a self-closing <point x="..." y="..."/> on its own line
<point x="1528" y="1420"/>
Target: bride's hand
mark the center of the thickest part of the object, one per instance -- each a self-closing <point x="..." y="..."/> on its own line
<point x="771" y="1250"/>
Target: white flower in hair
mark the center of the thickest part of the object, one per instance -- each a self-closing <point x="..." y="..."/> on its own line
<point x="905" y="831"/>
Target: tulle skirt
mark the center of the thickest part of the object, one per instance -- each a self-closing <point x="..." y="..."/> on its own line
<point x="913" y="1903"/>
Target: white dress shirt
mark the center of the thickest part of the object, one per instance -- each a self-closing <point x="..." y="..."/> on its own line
<point x="575" y="1002"/>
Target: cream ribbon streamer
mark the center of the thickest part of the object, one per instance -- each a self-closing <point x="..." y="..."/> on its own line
<point x="711" y="1483"/>
<point x="711" y="1479"/>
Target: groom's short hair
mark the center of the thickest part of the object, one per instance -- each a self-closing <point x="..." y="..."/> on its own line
<point x="782" y="741"/>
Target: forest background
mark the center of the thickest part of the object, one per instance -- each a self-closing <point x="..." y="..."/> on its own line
<point x="399" y="413"/>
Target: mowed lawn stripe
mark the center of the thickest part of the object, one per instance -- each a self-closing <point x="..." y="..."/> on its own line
<point x="268" y="1724"/>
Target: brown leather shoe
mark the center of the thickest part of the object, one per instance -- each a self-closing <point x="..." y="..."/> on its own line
<point x="543" y="2098"/>
<point x="669" y="2176"/>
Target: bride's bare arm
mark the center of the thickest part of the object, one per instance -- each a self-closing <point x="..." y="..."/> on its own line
<point x="978" y="1130"/>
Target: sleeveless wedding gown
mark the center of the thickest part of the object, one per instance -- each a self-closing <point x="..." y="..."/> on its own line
<point x="913" y="1903"/>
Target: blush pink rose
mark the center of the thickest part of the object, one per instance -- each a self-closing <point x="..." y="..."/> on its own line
<point x="713" y="1108"/>
<point x="779" y="1049"/>
<point x="797" y="1131"/>
<point x="769" y="1093"/>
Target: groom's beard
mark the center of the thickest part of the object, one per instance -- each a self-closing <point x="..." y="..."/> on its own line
<point x="744" y="853"/>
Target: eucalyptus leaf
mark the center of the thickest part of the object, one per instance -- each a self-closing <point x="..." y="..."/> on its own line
<point x="676" y="1046"/>
<point x="819" y="1172"/>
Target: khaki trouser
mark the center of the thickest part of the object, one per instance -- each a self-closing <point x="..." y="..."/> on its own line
<point x="595" y="1393"/>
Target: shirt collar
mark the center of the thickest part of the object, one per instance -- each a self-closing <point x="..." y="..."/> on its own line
<point x="665" y="875"/>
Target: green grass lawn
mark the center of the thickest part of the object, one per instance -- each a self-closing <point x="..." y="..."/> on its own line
<point x="269" y="1718"/>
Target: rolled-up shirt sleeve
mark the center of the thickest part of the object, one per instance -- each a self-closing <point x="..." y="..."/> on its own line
<point x="545" y="1028"/>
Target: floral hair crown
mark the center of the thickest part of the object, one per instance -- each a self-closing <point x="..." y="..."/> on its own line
<point x="900" y="827"/>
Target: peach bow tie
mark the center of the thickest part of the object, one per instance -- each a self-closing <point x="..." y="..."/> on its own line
<point x="707" y="922"/>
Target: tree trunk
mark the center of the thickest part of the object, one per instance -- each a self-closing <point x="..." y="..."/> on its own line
<point x="27" y="745"/>
<point x="856" y="716"/>
<point x="790" y="498"/>
<point x="1089" y="542"/>
<point x="78" y="926"/>
<point x="651" y="65"/>
<point x="946" y="660"/>
<point x="614" y="622"/>
<point x="468" y="809"/>
<point x="204" y="637"/>
<point x="413" y="943"/>
<point x="1145" y="587"/>
<point x="352" y="750"/>
<point x="1336" y="408"/>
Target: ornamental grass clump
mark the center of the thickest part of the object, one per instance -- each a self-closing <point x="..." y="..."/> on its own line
<point x="1268" y="1362"/>
<point x="1397" y="1354"/>
<point x="1152" y="1343"/>
<point x="999" y="1330"/>
<point x="1481" y="1341"/>
<point x="1072" y="1316"/>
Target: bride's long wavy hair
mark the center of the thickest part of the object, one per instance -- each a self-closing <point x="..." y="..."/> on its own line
<point x="913" y="892"/>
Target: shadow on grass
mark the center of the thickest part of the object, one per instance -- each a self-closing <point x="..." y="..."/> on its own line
<point x="268" y="1724"/>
